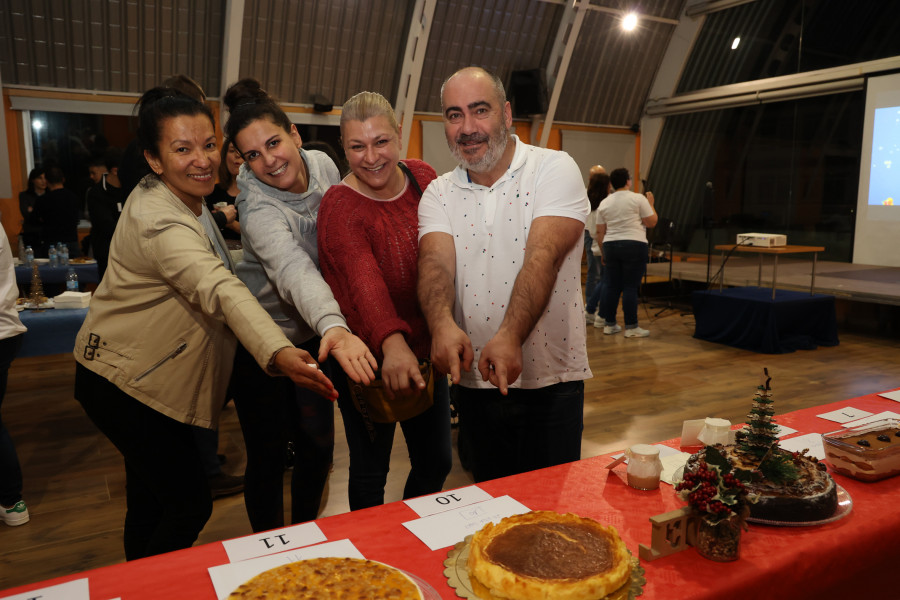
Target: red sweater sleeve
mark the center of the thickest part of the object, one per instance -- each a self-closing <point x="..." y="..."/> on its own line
<point x="368" y="255"/>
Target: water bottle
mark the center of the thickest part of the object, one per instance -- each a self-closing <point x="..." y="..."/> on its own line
<point x="71" y="280"/>
<point x="29" y="256"/>
<point x="51" y="254"/>
<point x="64" y="256"/>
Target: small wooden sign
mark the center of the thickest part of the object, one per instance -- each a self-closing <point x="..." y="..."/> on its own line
<point x="672" y="532"/>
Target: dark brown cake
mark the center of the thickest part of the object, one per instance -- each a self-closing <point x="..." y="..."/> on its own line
<point x="812" y="496"/>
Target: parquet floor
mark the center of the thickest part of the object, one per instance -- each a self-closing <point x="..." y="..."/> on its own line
<point x="642" y="391"/>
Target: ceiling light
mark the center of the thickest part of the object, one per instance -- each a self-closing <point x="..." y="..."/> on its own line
<point x="629" y="22"/>
<point x="37" y="124"/>
<point x="735" y="43"/>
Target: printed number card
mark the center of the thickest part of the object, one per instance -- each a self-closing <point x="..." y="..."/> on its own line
<point x="444" y="529"/>
<point x="444" y="501"/>
<point x="270" y="542"/>
<point x="71" y="590"/>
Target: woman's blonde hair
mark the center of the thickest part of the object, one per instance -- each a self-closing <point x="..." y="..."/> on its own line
<point x="365" y="105"/>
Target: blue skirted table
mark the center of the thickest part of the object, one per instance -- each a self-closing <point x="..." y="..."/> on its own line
<point x="751" y="319"/>
<point x="50" y="331"/>
<point x="55" y="277"/>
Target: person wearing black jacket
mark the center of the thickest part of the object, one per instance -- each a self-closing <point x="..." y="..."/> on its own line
<point x="105" y="201"/>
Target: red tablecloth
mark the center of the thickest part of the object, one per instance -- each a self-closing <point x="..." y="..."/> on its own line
<point x="852" y="557"/>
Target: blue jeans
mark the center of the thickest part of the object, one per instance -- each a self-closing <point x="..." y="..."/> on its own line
<point x="10" y="469"/>
<point x="593" y="272"/>
<point x="624" y="265"/>
<point x="427" y="440"/>
<point x="523" y="431"/>
<point x="595" y="295"/>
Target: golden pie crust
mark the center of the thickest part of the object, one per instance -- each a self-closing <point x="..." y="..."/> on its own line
<point x="329" y="579"/>
<point x="544" y="555"/>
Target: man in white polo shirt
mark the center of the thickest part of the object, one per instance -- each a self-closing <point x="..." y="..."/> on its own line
<point x="500" y="244"/>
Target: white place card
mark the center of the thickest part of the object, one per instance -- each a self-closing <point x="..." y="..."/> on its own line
<point x="226" y="578"/>
<point x="664" y="451"/>
<point x="274" y="541"/>
<point x="444" y="501"/>
<point x="71" y="590"/>
<point x="844" y="415"/>
<point x="895" y="395"/>
<point x="810" y="441"/>
<point x="445" y="529"/>
<point x="871" y="419"/>
<point x="690" y="429"/>
<point x="784" y="430"/>
<point x="671" y="464"/>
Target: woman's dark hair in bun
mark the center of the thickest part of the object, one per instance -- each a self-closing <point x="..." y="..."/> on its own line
<point x="161" y="103"/>
<point x="248" y="102"/>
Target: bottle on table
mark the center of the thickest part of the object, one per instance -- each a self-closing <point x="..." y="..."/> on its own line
<point x="71" y="280"/>
<point x="51" y="254"/>
<point x="63" y="256"/>
<point x="29" y="256"/>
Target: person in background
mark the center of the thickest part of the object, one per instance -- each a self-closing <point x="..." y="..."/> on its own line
<point x="281" y="186"/>
<point x="57" y="211"/>
<point x="13" y="510"/>
<point x="105" y="201"/>
<point x="221" y="201"/>
<point x="598" y="189"/>
<point x="31" y="225"/>
<point x="622" y="221"/>
<point x="332" y="154"/>
<point x="155" y="351"/>
<point x="97" y="169"/>
<point x="367" y="250"/>
<point x="500" y="246"/>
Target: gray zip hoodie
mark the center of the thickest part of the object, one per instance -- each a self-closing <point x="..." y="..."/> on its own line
<point x="281" y="258"/>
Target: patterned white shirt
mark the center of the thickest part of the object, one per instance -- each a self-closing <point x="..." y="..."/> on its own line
<point x="490" y="227"/>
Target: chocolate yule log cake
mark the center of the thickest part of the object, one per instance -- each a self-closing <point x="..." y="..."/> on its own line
<point x="787" y="486"/>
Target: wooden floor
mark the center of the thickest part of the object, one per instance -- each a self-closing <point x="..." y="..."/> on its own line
<point x="642" y="391"/>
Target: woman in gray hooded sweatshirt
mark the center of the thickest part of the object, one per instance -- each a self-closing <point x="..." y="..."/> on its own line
<point x="281" y="186"/>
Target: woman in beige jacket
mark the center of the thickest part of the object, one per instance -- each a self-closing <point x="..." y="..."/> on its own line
<point x="155" y="351"/>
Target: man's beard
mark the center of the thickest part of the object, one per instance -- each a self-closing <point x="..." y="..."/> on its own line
<point x="496" y="145"/>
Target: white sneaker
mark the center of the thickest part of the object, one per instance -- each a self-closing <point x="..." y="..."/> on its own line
<point x="14" y="515"/>
<point x="599" y="322"/>
<point x="589" y="317"/>
<point x="636" y="332"/>
<point x="611" y="329"/>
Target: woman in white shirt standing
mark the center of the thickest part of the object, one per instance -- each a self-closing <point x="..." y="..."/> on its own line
<point x="12" y="508"/>
<point x="622" y="222"/>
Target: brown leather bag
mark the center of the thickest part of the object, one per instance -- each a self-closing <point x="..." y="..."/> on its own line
<point x="374" y="405"/>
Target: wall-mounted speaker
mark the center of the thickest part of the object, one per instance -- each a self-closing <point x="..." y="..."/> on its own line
<point x="528" y="93"/>
<point x="321" y="103"/>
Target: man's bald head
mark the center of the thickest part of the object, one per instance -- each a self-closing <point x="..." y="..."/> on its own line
<point x="597" y="170"/>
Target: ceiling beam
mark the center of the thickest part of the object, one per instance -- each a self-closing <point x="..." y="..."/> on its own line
<point x="622" y="12"/>
<point x="231" y="49"/>
<point x="560" y="57"/>
<point x="411" y="72"/>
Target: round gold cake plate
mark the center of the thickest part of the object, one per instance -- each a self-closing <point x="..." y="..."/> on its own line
<point x="844" y="506"/>
<point x="458" y="575"/>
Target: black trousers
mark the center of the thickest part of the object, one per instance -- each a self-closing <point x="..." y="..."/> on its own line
<point x="274" y="412"/>
<point x="167" y="494"/>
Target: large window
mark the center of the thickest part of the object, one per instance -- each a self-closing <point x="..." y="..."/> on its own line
<point x="787" y="167"/>
<point x="71" y="141"/>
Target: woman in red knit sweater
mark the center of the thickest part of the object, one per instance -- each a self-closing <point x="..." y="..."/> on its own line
<point x="368" y="245"/>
